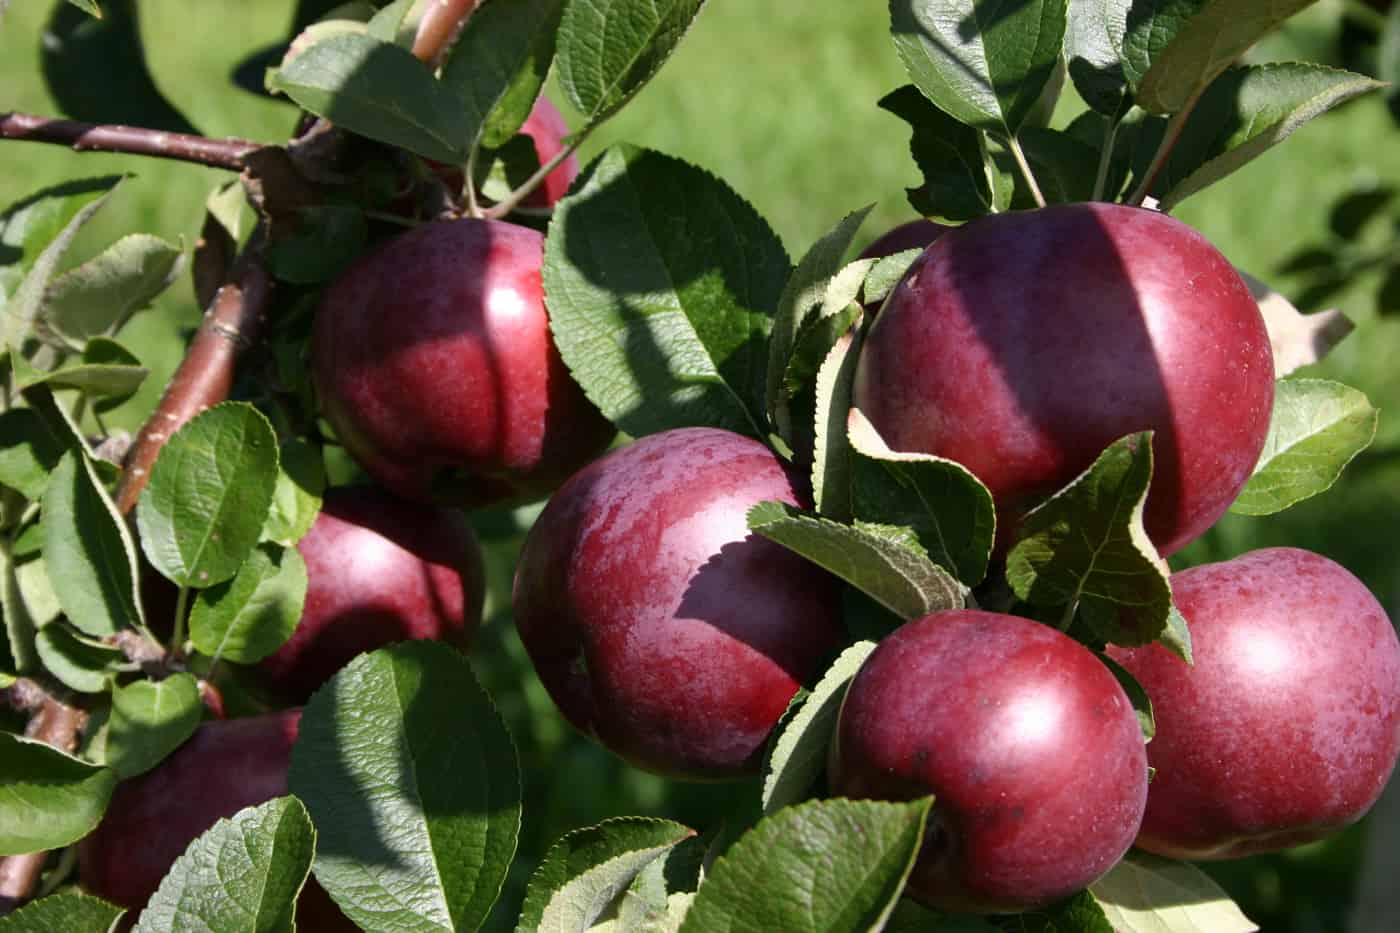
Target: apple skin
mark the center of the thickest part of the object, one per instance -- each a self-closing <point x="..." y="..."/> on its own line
<point x="1023" y="344"/>
<point x="380" y="569"/>
<point x="546" y="127"/>
<point x="1029" y="745"/>
<point x="225" y="766"/>
<point x="916" y="234"/>
<point x="659" y="625"/>
<point x="434" y="363"/>
<point x="1287" y="726"/>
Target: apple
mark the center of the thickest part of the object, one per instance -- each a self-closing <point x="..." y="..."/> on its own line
<point x="659" y="625"/>
<point x="434" y="363"/>
<point x="1287" y="726"/>
<point x="546" y="127"/>
<point x="1022" y="344"/>
<point x="916" y="234"/>
<point x="379" y="569"/>
<point x="1026" y="741"/>
<point x="152" y="818"/>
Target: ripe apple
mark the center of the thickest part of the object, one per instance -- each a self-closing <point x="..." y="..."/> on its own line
<point x="1028" y="744"/>
<point x="916" y="234"/>
<point x="380" y="569"/>
<point x="546" y="127"/>
<point x="152" y="818"/>
<point x="656" y="621"/>
<point x="434" y="363"/>
<point x="1023" y="344"/>
<point x="1287" y="726"/>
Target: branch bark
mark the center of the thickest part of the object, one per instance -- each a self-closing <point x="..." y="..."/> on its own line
<point x="96" y="137"/>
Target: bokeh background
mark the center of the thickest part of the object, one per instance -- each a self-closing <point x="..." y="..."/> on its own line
<point x="779" y="99"/>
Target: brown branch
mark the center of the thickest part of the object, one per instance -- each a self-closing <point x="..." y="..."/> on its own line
<point x="95" y="137"/>
<point x="231" y="323"/>
<point x="441" y="24"/>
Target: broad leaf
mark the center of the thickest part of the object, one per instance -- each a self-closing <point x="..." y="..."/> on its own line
<point x="1065" y="167"/>
<point x="897" y="576"/>
<point x="208" y="496"/>
<point x="249" y="617"/>
<point x="1094" y="44"/>
<point x="296" y="501"/>
<point x="20" y="625"/>
<point x="97" y="297"/>
<point x="821" y="866"/>
<point x="106" y="370"/>
<point x="1147" y="893"/>
<point x="328" y="237"/>
<point x="831" y="449"/>
<point x="886" y="273"/>
<point x="1317" y="427"/>
<point x="985" y="62"/>
<point x="78" y="664"/>
<point x="68" y="911"/>
<point x="960" y="183"/>
<point x="150" y="719"/>
<point x="609" y="49"/>
<point x="29" y="451"/>
<point x="28" y="225"/>
<point x="661" y="284"/>
<point x="413" y="783"/>
<point x="47" y="799"/>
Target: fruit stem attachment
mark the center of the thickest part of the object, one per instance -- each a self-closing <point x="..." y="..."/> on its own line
<point x="133" y="140"/>
<point x="469" y="184"/>
<point x="1014" y="144"/>
<point x="1175" y="125"/>
<point x="511" y="201"/>
<point x="1105" y="157"/>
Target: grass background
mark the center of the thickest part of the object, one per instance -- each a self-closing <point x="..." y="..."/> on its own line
<point x="779" y="101"/>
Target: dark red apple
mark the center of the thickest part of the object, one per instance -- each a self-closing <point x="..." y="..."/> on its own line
<point x="546" y="127"/>
<point x="380" y="569"/>
<point x="656" y="621"/>
<point x="1028" y="744"/>
<point x="916" y="234"/>
<point x="1287" y="726"/>
<point x="434" y="363"/>
<point x="1023" y="344"/>
<point x="225" y="766"/>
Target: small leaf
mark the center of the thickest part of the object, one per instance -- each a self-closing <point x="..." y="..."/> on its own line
<point x="29" y="451"/>
<point x="327" y="238"/>
<point x="28" y="225"/>
<point x="820" y="866"/>
<point x="209" y="493"/>
<point x="47" y="799"/>
<point x="951" y="156"/>
<point x="584" y="873"/>
<point x="899" y="578"/>
<point x="1297" y="339"/>
<point x="243" y="873"/>
<point x="107" y="370"/>
<point x="89" y="7"/>
<point x="815" y="342"/>
<point x="249" y="617"/>
<point x="1137" y="695"/>
<point x="88" y="551"/>
<point x="1086" y="547"/>
<point x="1094" y="40"/>
<point x="609" y="49"/>
<point x="799" y="754"/>
<point x="21" y="627"/>
<point x="387" y="24"/>
<point x="982" y="61"/>
<point x="296" y="501"/>
<point x="150" y="719"/>
<point x="1065" y="167"/>
<point x="79" y="664"/>
<point x="1146" y="893"/>
<point x="886" y="274"/>
<point x="661" y="283"/>
<point x="947" y="507"/>
<point x="98" y="297"/>
<point x="378" y="90"/>
<point x="831" y="449"/>
<point x="68" y="911"/>
<point x="1080" y="913"/>
<point x="412" y="781"/>
<point x="1317" y="427"/>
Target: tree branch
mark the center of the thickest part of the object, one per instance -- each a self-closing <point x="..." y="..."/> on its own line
<point x="95" y="137"/>
<point x="442" y="22"/>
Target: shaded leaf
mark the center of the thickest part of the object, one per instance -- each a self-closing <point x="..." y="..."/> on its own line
<point x="249" y="617"/>
<point x="959" y="182"/>
<point x="99" y="296"/>
<point x="29" y="450"/>
<point x="150" y="719"/>
<point x="47" y="799"/>
<point x="1145" y="893"/>
<point x="78" y="664"/>
<point x="68" y="911"/>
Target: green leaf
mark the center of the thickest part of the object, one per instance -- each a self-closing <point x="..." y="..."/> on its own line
<point x="88" y="551"/>
<point x="1317" y="427"/>
<point x="410" y="776"/>
<point x="1094" y="46"/>
<point x="296" y="500"/>
<point x="243" y="873"/>
<point x="827" y="865"/>
<point x="911" y="917"/>
<point x="499" y="64"/>
<point x="1080" y="913"/>
<point x="584" y="873"/>
<point x="328" y="237"/>
<point x="897" y="576"/>
<point x="378" y="90"/>
<point x="68" y="911"/>
<point x="150" y="719"/>
<point x="29" y="451"/>
<point x="1136" y="693"/>
<point x="89" y="7"/>
<point x="1065" y="167"/>
<point x="79" y="664"/>
<point x="661" y="283"/>
<point x="831" y="449"/>
<point x="984" y="62"/>
<point x="1086" y="547"/>
<point x="798" y="756"/>
<point x="107" y="370"/>
<point x="209" y="493"/>
<point x="609" y="49"/>
<point x="98" y="297"/>
<point x="886" y="274"/>
<point x="249" y="617"/>
<point x="947" y="507"/>
<point x="1147" y="893"/>
<point x="801" y="299"/>
<point x="47" y="799"/>
<point x="28" y="225"/>
<point x="387" y="24"/>
<point x="1244" y="113"/>
<point x="820" y="334"/>
<point x="20" y="625"/>
<point x="951" y="156"/>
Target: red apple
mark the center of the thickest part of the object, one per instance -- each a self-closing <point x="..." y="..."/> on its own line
<point x="916" y="234"/>
<point x="546" y="127"/>
<point x="1028" y="744"/>
<point x="152" y="818"/>
<point x="656" y="621"/>
<point x="379" y="570"/>
<point x="1287" y="726"/>
<point x="434" y="363"/>
<point x="1023" y="344"/>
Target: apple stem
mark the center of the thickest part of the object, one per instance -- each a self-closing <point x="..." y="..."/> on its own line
<point x="133" y="140"/>
<point x="1014" y="144"/>
<point x="1110" y="136"/>
<point x="1068" y="617"/>
<point x="177" y="631"/>
<point x="442" y="22"/>
<point x="1170" y="137"/>
<point x="469" y="184"/>
<point x="511" y="201"/>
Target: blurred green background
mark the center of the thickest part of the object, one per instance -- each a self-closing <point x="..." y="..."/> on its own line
<point x="779" y="99"/>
